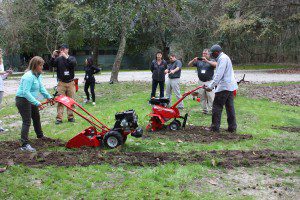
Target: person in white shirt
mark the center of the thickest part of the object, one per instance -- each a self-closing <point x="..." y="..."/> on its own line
<point x="225" y="84"/>
<point x="3" y="75"/>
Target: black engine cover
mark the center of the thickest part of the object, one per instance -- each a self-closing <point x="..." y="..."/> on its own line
<point x="130" y="116"/>
<point x="159" y="101"/>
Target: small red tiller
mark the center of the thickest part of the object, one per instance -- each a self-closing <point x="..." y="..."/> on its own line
<point x="161" y="113"/>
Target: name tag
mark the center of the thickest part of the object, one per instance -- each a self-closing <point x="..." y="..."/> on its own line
<point x="66" y="73"/>
<point x="203" y="71"/>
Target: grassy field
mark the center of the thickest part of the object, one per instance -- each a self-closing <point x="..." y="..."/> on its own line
<point x="170" y="181"/>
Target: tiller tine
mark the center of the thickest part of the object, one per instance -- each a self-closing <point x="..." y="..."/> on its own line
<point x="184" y="120"/>
<point x="87" y="138"/>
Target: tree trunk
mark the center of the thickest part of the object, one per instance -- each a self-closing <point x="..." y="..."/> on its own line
<point x="119" y="57"/>
<point x="95" y="47"/>
<point x="165" y="49"/>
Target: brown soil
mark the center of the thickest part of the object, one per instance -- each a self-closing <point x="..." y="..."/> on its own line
<point x="288" y="128"/>
<point x="197" y="134"/>
<point x="295" y="70"/>
<point x="287" y="94"/>
<point x="10" y="155"/>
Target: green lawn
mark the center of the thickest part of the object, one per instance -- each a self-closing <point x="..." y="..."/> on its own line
<point x="170" y="181"/>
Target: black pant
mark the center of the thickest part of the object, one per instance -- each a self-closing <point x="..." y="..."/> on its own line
<point x="28" y="112"/>
<point x="86" y="89"/>
<point x="161" y="88"/>
<point x="223" y="98"/>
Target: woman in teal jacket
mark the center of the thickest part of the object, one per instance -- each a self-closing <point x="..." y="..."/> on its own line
<point x="26" y="100"/>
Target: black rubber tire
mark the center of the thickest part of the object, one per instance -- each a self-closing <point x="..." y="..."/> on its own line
<point x="112" y="139"/>
<point x="179" y="123"/>
<point x="174" y="126"/>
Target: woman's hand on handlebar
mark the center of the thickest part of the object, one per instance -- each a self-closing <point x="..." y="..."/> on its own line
<point x="41" y="107"/>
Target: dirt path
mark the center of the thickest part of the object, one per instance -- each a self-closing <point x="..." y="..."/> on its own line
<point x="286" y="94"/>
<point x="11" y="155"/>
<point x="197" y="134"/>
<point x="188" y="77"/>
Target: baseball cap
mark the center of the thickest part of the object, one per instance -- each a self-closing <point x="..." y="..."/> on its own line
<point x="64" y="46"/>
<point x="215" y="48"/>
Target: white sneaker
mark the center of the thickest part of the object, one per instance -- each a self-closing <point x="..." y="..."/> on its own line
<point x="28" y="148"/>
<point x="86" y="101"/>
<point x="3" y="130"/>
<point x="94" y="103"/>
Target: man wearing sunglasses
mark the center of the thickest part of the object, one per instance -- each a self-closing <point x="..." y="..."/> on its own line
<point x="205" y="69"/>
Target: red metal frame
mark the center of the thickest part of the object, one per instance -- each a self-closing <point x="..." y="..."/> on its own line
<point x="88" y="137"/>
<point x="70" y="103"/>
<point x="92" y="135"/>
<point x="185" y="95"/>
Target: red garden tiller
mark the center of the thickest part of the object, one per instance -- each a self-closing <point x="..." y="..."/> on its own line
<point x="161" y="113"/>
<point x="98" y="133"/>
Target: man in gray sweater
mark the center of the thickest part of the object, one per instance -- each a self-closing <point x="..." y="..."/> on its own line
<point x="225" y="82"/>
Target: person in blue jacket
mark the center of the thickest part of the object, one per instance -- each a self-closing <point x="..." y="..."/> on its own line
<point x="26" y="101"/>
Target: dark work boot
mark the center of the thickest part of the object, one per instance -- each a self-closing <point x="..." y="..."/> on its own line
<point x="71" y="120"/>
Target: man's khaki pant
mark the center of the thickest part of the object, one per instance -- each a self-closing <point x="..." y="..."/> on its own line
<point x="173" y="84"/>
<point x="67" y="89"/>
<point x="206" y="98"/>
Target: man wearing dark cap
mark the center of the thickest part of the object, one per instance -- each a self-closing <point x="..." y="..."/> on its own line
<point x="225" y="82"/>
<point x="65" y="66"/>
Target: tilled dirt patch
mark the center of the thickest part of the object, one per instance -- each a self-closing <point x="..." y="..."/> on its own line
<point x="286" y="94"/>
<point x="11" y="155"/>
<point x="295" y="70"/>
<point x="288" y="128"/>
<point x="197" y="134"/>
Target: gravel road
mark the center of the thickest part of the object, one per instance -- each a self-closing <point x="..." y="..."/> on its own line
<point x="187" y="77"/>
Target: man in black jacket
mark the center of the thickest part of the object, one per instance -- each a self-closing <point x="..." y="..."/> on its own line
<point x="65" y="66"/>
